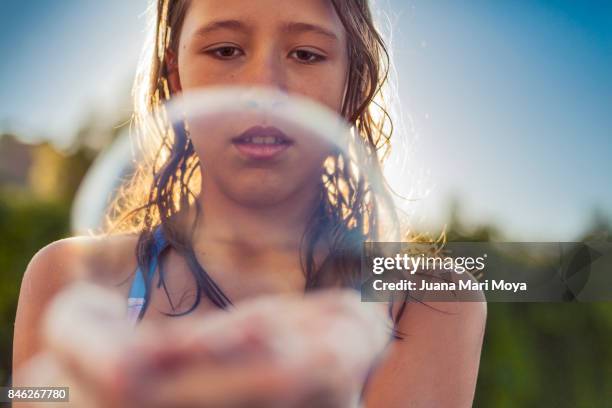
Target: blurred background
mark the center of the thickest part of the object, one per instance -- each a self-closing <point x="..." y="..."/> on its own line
<point x="506" y="135"/>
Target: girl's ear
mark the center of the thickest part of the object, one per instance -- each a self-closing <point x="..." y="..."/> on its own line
<point x="174" y="81"/>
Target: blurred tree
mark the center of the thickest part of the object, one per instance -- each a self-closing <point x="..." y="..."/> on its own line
<point x="26" y="225"/>
<point x="457" y="231"/>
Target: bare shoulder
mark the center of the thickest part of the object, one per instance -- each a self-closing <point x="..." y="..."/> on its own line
<point x="107" y="260"/>
<point x="457" y="319"/>
<point x="441" y="304"/>
<point x="103" y="259"/>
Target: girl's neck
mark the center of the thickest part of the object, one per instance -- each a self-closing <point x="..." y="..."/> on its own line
<point x="279" y="226"/>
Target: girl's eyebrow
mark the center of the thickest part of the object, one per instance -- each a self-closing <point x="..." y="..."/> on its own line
<point x="290" y="27"/>
<point x="298" y="27"/>
<point x="222" y="24"/>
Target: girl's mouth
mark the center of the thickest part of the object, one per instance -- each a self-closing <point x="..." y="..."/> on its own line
<point x="262" y="143"/>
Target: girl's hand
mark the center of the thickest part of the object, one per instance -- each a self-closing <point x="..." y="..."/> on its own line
<point x="273" y="351"/>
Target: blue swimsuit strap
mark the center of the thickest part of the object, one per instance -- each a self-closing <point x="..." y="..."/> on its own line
<point x="138" y="290"/>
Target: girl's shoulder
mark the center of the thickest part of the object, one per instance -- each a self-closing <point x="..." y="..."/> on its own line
<point x="107" y="260"/>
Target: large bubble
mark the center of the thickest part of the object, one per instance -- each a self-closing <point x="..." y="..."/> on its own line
<point x="276" y="156"/>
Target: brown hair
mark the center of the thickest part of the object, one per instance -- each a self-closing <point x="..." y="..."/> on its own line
<point x="168" y="179"/>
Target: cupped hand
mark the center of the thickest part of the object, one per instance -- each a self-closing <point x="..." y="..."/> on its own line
<point x="273" y="351"/>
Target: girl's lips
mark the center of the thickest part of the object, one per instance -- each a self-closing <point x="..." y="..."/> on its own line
<point x="262" y="143"/>
<point x="261" y="152"/>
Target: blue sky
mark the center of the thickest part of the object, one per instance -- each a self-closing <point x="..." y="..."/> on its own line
<point x="510" y="101"/>
<point x="64" y="59"/>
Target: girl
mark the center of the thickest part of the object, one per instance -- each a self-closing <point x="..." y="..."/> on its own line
<point x="206" y="203"/>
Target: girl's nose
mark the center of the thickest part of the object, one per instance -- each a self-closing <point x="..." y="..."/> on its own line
<point x="267" y="70"/>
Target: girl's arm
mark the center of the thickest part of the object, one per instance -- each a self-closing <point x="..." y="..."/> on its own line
<point x="436" y="362"/>
<point x="45" y="276"/>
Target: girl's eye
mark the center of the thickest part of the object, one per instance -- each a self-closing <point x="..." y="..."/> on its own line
<point x="307" y="57"/>
<point x="226" y="52"/>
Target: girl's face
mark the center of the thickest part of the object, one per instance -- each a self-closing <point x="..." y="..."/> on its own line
<point x="294" y="46"/>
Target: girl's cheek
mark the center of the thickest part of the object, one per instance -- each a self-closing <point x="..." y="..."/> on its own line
<point x="328" y="92"/>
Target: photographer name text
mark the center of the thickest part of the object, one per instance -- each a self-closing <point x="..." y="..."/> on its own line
<point x="407" y="285"/>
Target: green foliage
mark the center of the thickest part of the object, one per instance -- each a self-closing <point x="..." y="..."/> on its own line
<point x="546" y="355"/>
<point x="26" y="225"/>
<point x="543" y="354"/>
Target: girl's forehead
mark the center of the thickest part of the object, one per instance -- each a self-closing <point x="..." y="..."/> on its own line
<point x="254" y="15"/>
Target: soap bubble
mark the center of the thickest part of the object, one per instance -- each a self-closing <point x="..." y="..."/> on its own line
<point x="271" y="153"/>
